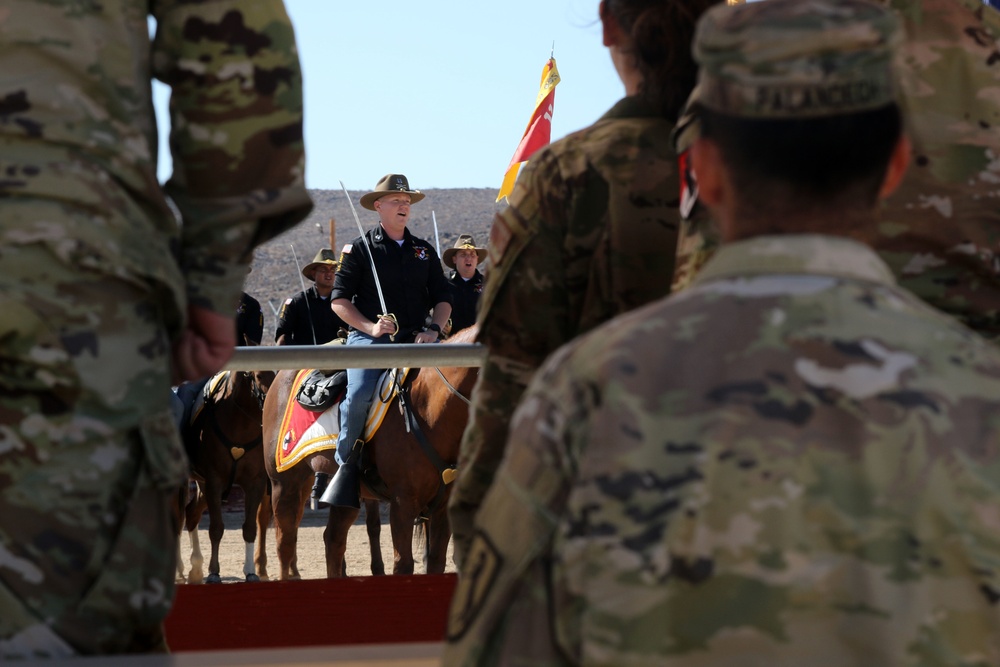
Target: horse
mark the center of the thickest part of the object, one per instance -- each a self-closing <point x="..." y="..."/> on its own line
<point x="291" y="488"/>
<point x="226" y="450"/>
<point x="410" y="482"/>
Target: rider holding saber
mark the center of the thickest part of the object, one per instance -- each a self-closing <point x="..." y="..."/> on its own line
<point x="387" y="282"/>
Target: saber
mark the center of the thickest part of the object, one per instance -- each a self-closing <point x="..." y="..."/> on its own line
<point x="371" y="258"/>
<point x="304" y="294"/>
<point x="437" y="241"/>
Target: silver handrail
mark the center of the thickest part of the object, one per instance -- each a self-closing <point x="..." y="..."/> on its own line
<point x="351" y="356"/>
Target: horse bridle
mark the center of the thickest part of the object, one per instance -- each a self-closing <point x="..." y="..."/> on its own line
<point x="255" y="389"/>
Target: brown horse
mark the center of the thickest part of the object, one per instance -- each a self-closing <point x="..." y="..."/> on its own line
<point x="411" y="483"/>
<point x="227" y="450"/>
<point x="290" y="488"/>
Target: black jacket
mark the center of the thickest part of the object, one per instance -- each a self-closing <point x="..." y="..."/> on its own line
<point x="465" y="296"/>
<point x="411" y="276"/>
<point x="299" y="317"/>
<point x="249" y="320"/>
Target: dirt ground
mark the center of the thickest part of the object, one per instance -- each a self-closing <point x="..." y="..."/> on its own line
<point x="311" y="558"/>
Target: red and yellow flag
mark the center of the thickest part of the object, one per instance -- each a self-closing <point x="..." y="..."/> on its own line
<point x="539" y="129"/>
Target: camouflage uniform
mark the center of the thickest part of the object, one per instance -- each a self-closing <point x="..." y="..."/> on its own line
<point x="940" y="231"/>
<point x="96" y="275"/>
<point x="792" y="462"/>
<point x="817" y="485"/>
<point x="589" y="234"/>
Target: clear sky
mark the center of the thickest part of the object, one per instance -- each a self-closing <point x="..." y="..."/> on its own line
<point x="440" y="90"/>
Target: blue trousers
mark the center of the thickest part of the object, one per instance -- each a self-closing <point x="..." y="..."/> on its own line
<point x="361" y="385"/>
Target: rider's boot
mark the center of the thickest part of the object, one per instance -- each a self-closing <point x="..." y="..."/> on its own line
<point x="319" y="486"/>
<point x="345" y="489"/>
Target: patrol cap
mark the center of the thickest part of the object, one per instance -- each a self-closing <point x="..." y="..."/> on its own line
<point x="796" y="58"/>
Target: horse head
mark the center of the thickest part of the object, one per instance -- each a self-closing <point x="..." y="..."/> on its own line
<point x="260" y="381"/>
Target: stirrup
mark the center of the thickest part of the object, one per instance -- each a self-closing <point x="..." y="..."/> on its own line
<point x="320" y="482"/>
<point x="345" y="489"/>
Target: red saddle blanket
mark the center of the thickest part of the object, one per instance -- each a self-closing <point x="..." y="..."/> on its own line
<point x="304" y="433"/>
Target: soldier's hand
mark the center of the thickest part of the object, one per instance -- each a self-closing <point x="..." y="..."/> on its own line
<point x="426" y="337"/>
<point x="383" y="326"/>
<point x="205" y="346"/>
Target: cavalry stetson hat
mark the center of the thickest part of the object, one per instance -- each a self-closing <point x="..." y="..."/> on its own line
<point x="464" y="242"/>
<point x="324" y="256"/>
<point x="389" y="184"/>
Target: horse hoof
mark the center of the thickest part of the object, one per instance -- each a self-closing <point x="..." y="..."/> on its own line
<point x="213" y="578"/>
<point x="252" y="578"/>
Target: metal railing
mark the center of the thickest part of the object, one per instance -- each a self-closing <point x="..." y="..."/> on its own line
<point x="350" y="356"/>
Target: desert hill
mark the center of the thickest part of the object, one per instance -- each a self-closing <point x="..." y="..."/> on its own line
<point x="275" y="276"/>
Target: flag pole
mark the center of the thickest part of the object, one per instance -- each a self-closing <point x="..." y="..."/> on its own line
<point x="539" y="129"/>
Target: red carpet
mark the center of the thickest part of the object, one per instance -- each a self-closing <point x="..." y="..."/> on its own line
<point x="315" y="612"/>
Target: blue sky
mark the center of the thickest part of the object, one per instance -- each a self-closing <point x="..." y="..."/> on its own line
<point x="440" y="91"/>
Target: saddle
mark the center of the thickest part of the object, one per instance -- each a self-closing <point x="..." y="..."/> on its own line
<point x="321" y="389"/>
<point x="189" y="398"/>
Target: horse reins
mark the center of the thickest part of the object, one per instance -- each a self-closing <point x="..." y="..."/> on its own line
<point x="452" y="387"/>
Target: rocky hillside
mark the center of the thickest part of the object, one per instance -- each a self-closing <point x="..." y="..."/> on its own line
<point x="275" y="276"/>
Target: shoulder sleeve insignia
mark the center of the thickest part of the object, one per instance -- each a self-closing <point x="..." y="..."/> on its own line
<point x="481" y="567"/>
<point x="689" y="185"/>
<point x="420" y="252"/>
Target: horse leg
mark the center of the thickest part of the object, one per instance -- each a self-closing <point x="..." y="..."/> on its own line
<point x="264" y="514"/>
<point x="373" y="523"/>
<point x="335" y="539"/>
<point x="252" y="495"/>
<point x="192" y="516"/>
<point x="438" y="535"/>
<point x="216" y="529"/>
<point x="287" y="507"/>
<point x="401" y="523"/>
<point x="179" y="509"/>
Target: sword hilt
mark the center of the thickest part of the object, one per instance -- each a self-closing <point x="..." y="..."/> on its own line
<point x="395" y="322"/>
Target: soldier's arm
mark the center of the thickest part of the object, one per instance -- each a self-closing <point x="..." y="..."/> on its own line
<point x="286" y="323"/>
<point x="501" y="608"/>
<point x="236" y="135"/>
<point x="523" y="317"/>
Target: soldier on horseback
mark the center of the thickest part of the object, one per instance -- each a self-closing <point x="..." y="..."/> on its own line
<point x="387" y="282"/>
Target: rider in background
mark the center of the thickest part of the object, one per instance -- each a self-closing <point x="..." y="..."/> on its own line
<point x="306" y="317"/>
<point x="466" y="281"/>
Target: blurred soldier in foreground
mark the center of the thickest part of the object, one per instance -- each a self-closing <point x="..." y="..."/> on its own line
<point x="589" y="233"/>
<point x="793" y="462"/>
<point x="940" y="231"/>
<point x="107" y="299"/>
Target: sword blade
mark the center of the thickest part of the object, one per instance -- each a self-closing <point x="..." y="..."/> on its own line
<point x="371" y="257"/>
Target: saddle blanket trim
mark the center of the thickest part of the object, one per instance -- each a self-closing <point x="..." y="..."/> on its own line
<point x="304" y="433"/>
